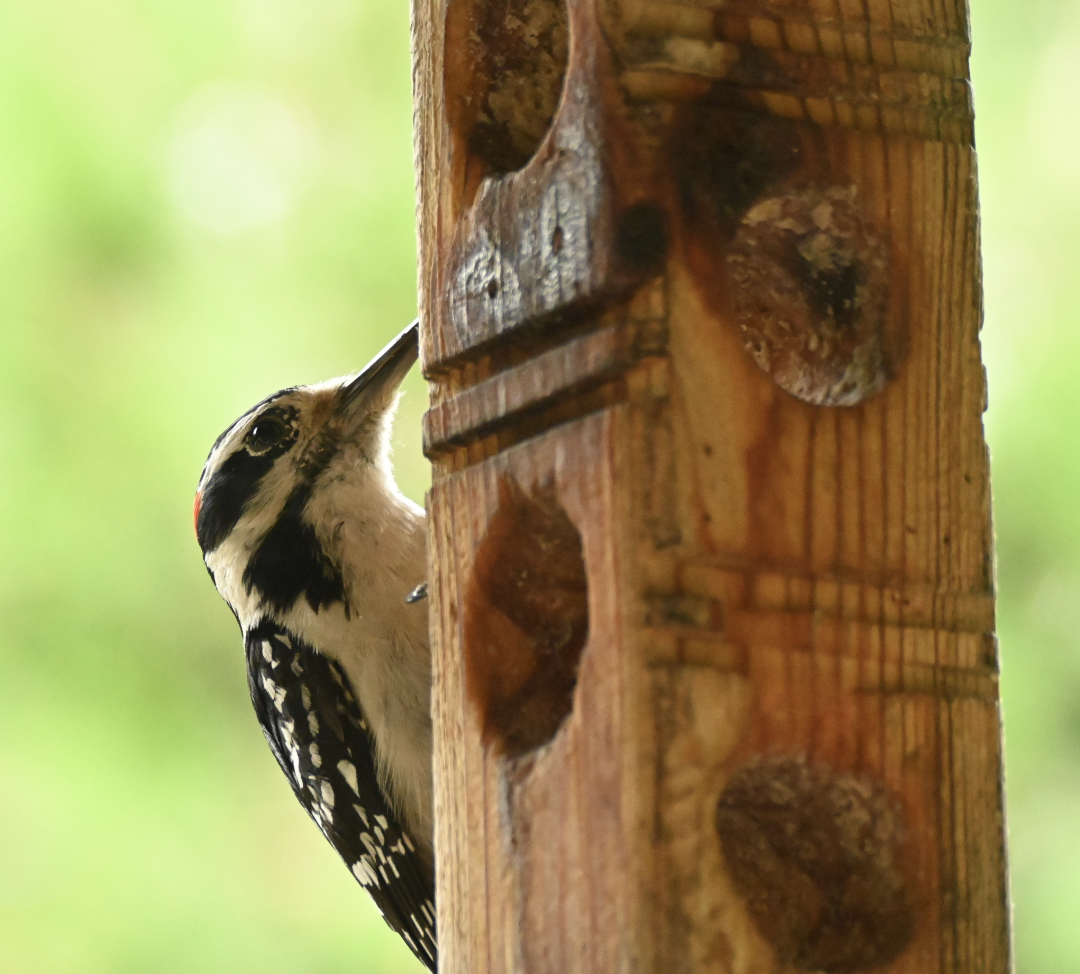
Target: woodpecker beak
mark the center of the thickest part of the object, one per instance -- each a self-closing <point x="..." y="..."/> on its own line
<point x="382" y="376"/>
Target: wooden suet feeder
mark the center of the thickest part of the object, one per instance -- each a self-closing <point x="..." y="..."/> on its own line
<point x="711" y="563"/>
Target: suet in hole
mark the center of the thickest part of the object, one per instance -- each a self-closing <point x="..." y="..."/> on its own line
<point x="810" y="275"/>
<point x="526" y="619"/>
<point x="816" y="856"/>
<point x="513" y="54"/>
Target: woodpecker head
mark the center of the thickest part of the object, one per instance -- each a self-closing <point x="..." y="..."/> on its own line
<point x="267" y="503"/>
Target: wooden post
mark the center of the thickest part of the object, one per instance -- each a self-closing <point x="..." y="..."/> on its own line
<point x="711" y="560"/>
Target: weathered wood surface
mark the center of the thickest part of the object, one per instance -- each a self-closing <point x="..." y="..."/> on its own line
<point x="711" y="558"/>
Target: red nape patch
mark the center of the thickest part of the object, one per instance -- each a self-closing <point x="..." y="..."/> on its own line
<point x="198" y="504"/>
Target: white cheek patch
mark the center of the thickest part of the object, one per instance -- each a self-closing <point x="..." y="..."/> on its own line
<point x="229" y="560"/>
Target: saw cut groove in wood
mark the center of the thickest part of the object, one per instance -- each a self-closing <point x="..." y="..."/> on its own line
<point x="711" y="560"/>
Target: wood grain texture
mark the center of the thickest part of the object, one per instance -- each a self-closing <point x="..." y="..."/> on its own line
<point x="717" y="339"/>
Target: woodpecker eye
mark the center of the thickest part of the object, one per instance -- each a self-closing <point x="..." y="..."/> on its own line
<point x="267" y="433"/>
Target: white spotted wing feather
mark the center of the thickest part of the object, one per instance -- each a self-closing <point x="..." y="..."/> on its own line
<point x="315" y="728"/>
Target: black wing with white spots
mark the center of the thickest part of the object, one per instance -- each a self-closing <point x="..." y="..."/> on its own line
<point x="314" y="726"/>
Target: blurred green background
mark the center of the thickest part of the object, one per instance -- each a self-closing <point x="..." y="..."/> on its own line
<point x="201" y="202"/>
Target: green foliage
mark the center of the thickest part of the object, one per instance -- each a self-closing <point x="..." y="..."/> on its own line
<point x="203" y="202"/>
<point x="1026" y="70"/>
<point x="143" y="823"/>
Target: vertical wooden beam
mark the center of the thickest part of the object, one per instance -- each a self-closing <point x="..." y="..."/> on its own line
<point x="710" y="547"/>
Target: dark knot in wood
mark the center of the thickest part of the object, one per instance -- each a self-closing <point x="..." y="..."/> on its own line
<point x="724" y="160"/>
<point x="814" y="855"/>
<point x="641" y="238"/>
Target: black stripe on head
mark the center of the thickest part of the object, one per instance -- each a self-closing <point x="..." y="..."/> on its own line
<point x="236" y="481"/>
<point x="226" y="495"/>
<point x="290" y="562"/>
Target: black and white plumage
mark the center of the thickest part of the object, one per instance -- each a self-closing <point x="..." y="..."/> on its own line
<point x="314" y="726"/>
<point x="314" y="548"/>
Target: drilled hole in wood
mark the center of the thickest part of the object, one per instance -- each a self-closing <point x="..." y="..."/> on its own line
<point x="505" y="65"/>
<point x="810" y="288"/>
<point x="526" y="619"/>
<point x="814" y="855"/>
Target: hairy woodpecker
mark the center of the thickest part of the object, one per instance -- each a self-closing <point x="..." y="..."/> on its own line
<point x="318" y="554"/>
